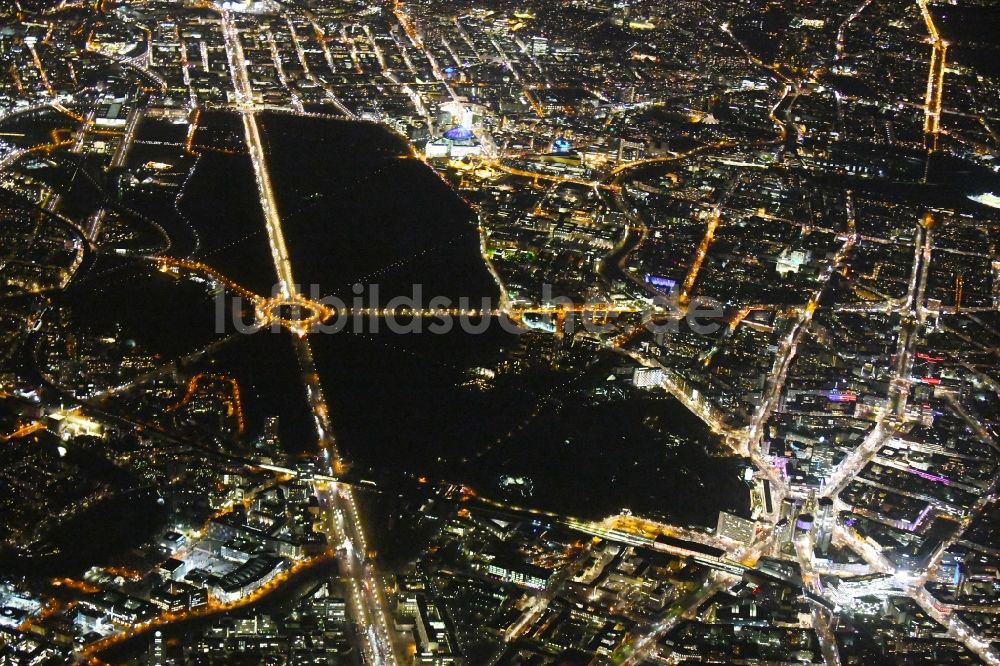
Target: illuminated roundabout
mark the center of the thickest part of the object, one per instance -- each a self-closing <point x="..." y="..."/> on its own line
<point x="296" y="313"/>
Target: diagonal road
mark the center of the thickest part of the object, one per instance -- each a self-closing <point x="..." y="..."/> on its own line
<point x="341" y="520"/>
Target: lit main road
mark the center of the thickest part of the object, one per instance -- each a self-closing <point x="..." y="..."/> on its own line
<point x="637" y="652"/>
<point x="913" y="313"/>
<point x="788" y="345"/>
<point x="821" y="618"/>
<point x="364" y="587"/>
<point x="255" y="146"/>
<point x="275" y="235"/>
<point x="842" y="31"/>
<point x="935" y="79"/>
<point x="342" y="523"/>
